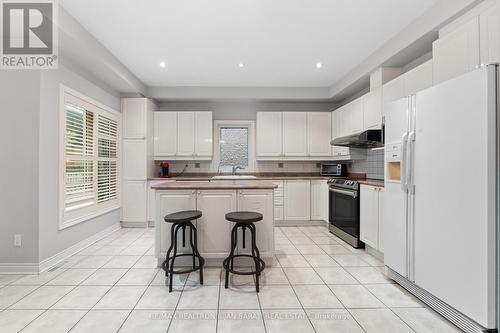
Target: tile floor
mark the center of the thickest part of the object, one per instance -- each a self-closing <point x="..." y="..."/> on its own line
<point x="319" y="284"/>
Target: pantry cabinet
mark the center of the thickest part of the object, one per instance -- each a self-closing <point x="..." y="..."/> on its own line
<point x="297" y="200"/>
<point x="370" y="216"/>
<point x="183" y="135"/>
<point x="295" y="134"/>
<point x="134" y="114"/>
<point x="269" y="134"/>
<point x="134" y="201"/>
<point x="319" y="133"/>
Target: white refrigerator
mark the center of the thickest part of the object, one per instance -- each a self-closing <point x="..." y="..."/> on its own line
<point x="441" y="195"/>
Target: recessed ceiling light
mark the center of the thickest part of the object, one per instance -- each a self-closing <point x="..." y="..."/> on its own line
<point x="241" y="65"/>
<point x="319" y="65"/>
<point x="163" y="64"/>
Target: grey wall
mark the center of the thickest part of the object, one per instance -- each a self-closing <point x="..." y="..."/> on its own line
<point x="19" y="105"/>
<point x="51" y="239"/>
<point x="243" y="110"/>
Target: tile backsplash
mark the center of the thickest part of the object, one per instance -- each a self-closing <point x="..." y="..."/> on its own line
<point x="373" y="166"/>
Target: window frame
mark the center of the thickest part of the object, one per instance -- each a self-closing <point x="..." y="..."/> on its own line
<point x="218" y="124"/>
<point x="96" y="209"/>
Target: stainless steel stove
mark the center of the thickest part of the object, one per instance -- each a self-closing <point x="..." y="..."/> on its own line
<point x="344" y="210"/>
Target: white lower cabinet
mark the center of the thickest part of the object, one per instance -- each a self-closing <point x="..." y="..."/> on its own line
<point x="213" y="228"/>
<point x="319" y="200"/>
<point x="297" y="200"/>
<point x="134" y="201"/>
<point x="370" y="216"/>
<point x="279" y="209"/>
<point x="171" y="202"/>
<point x="260" y="202"/>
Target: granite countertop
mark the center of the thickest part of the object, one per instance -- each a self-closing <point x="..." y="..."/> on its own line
<point x="260" y="176"/>
<point x="371" y="182"/>
<point x="217" y="185"/>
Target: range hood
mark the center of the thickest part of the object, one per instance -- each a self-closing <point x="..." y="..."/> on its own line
<point x="367" y="139"/>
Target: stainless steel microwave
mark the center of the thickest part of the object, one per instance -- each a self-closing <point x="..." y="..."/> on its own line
<point x="333" y="169"/>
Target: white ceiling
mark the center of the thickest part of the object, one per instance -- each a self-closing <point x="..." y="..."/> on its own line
<point x="279" y="41"/>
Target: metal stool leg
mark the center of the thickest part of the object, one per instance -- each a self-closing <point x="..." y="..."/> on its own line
<point x="196" y="253"/>
<point x="170" y="248"/>
<point x="255" y="254"/>
<point x="230" y="259"/>
<point x="173" y="258"/>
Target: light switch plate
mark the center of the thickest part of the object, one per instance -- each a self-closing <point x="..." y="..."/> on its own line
<point x="17" y="240"/>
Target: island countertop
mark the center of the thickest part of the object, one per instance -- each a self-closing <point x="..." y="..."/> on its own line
<point x="217" y="185"/>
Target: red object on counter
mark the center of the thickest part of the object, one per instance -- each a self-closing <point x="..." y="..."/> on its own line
<point x="164" y="169"/>
<point x="164" y="164"/>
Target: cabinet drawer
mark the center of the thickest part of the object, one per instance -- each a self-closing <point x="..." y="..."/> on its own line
<point x="278" y="213"/>
<point x="278" y="192"/>
<point x="278" y="201"/>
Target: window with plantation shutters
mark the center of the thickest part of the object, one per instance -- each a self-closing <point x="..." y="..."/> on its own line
<point x="89" y="163"/>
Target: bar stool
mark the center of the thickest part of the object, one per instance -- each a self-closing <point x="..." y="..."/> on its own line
<point x="244" y="220"/>
<point x="181" y="220"/>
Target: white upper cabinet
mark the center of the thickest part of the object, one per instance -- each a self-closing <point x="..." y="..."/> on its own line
<point x="489" y="38"/>
<point x="203" y="134"/>
<point x="134" y="118"/>
<point x="165" y="138"/>
<point x="356" y="115"/>
<point x="185" y="133"/>
<point x="344" y="118"/>
<point x="418" y="79"/>
<point x="319" y="133"/>
<point x="393" y="90"/>
<point x="295" y="133"/>
<point x="269" y="134"/>
<point x="337" y="116"/>
<point x="456" y="52"/>
<point x="372" y="109"/>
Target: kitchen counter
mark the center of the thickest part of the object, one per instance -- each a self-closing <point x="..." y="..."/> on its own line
<point x="216" y="185"/>
<point x="371" y="182"/>
<point x="260" y="176"/>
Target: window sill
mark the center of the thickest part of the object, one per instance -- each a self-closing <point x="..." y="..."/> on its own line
<point x="75" y="221"/>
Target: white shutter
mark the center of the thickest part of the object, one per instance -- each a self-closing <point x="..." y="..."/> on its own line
<point x="107" y="173"/>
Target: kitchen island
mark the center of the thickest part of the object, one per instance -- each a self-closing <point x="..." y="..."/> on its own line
<point x="214" y="199"/>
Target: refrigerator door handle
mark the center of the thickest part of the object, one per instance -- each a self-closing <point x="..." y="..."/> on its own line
<point x="402" y="167"/>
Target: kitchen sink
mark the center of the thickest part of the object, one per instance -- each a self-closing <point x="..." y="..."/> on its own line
<point x="233" y="177"/>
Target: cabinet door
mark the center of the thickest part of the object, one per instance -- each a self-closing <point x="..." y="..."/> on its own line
<point x="381" y="219"/>
<point x="297" y="200"/>
<point x="393" y="90"/>
<point x="134" y="159"/>
<point x="214" y="231"/>
<point x="418" y="79"/>
<point x="295" y="133"/>
<point x="456" y="52"/>
<point x="185" y="133"/>
<point x="134" y="201"/>
<point x="345" y="127"/>
<point x="203" y="134"/>
<point x="488" y="22"/>
<point x="319" y="200"/>
<point x="134" y="118"/>
<point x="336" y="132"/>
<point x="269" y="134"/>
<point x="260" y="202"/>
<point x="165" y="137"/>
<point x="356" y="114"/>
<point x="368" y="215"/>
<point x="372" y="109"/>
<point x="319" y="133"/>
<point x="169" y="202"/>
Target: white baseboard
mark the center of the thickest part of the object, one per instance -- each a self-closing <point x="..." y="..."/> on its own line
<point x="18" y="268"/>
<point x="129" y="224"/>
<point x="61" y="256"/>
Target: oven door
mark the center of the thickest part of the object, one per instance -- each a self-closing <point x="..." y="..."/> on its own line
<point x="344" y="210"/>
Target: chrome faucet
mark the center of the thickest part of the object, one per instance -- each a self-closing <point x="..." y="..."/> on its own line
<point x="236" y="168"/>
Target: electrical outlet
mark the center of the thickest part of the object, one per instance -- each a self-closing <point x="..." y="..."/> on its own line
<point x="197" y="165"/>
<point x="280" y="165"/>
<point x="318" y="165"/>
<point x="17" y="240"/>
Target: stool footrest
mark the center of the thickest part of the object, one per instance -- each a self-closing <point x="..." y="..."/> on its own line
<point x="166" y="268"/>
<point x="227" y="267"/>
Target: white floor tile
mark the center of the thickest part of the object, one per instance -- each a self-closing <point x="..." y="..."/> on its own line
<point x="335" y="275"/>
<point x="334" y="249"/>
<point x="302" y="275"/>
<point x="211" y="277"/>
<point x="11" y="294"/>
<point x="349" y="260"/>
<point x="367" y="274"/>
<point x="393" y="295"/>
<point x="9" y="278"/>
<point x="12" y="321"/>
<point x="42" y="298"/>
<point x="146" y="262"/>
<point x="286" y="249"/>
<point x="93" y="262"/>
<point x="199" y="297"/>
<point x="238" y="298"/>
<point x="287" y="321"/>
<point x="134" y="251"/>
<point x="320" y="260"/>
<point x="147" y="321"/>
<point x="241" y="321"/>
<point x="122" y="262"/>
<point x="273" y="275"/>
<point x="102" y="321"/>
<point x="316" y="297"/>
<point x="178" y="282"/>
<point x="138" y="277"/>
<point x="105" y="277"/>
<point x="278" y="297"/>
<point x="55" y="321"/>
<point x="328" y="321"/>
<point x="290" y="260"/>
<point x="158" y="298"/>
<point x="379" y="321"/>
<point x="324" y="240"/>
<point x="81" y="298"/>
<point x="355" y="296"/>
<point x="109" y="250"/>
<point x="199" y="321"/>
<point x="72" y="277"/>
<point x="424" y="320"/>
<point x="304" y="240"/>
<point x="121" y="298"/>
<point x="309" y="249"/>
<point x="38" y="279"/>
